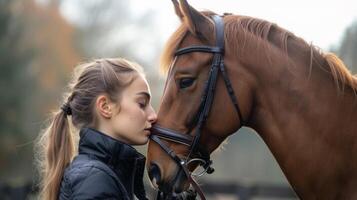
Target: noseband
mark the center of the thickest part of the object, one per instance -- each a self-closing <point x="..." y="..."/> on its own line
<point x="197" y="152"/>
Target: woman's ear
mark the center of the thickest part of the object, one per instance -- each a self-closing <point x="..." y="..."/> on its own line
<point x="104" y="106"/>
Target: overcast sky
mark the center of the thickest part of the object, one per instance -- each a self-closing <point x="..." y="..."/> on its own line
<point x="321" y="22"/>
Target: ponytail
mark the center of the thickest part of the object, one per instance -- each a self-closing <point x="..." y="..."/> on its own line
<point x="57" y="152"/>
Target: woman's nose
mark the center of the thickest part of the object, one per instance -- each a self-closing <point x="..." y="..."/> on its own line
<point x="152" y="116"/>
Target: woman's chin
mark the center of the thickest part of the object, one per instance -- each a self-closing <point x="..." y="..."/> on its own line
<point x="145" y="140"/>
<point x="142" y="141"/>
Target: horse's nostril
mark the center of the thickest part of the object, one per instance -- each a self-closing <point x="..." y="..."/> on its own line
<point x="154" y="174"/>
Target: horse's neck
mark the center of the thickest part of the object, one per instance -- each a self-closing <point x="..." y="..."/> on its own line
<point x="308" y="125"/>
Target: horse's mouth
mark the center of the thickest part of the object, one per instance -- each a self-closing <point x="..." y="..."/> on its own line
<point x="177" y="185"/>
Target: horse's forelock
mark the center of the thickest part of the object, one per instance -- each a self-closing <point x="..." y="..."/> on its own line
<point x="170" y="48"/>
<point x="172" y="44"/>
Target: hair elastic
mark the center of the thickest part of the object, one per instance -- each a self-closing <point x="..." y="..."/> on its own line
<point x="66" y="108"/>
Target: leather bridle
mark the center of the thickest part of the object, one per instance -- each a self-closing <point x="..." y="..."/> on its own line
<point x="197" y="152"/>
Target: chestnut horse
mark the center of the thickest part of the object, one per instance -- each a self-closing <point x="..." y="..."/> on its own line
<point x="301" y="102"/>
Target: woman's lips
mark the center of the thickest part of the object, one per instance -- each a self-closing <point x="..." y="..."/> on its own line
<point x="147" y="132"/>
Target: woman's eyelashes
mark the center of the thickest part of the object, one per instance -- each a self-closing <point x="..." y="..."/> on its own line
<point x="142" y="103"/>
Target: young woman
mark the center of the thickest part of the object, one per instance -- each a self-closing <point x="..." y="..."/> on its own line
<point x="109" y="103"/>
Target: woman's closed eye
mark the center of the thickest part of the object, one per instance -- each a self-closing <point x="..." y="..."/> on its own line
<point x="143" y="99"/>
<point x="142" y="104"/>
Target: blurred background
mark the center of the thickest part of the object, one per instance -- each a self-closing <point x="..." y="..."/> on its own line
<point x="42" y="40"/>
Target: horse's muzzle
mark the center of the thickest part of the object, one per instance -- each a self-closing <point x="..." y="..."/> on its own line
<point x="176" y="184"/>
<point x="154" y="175"/>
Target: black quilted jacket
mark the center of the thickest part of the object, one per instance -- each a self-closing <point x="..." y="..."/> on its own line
<point x="104" y="169"/>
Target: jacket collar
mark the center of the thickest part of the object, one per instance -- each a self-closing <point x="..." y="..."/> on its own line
<point x="105" y="148"/>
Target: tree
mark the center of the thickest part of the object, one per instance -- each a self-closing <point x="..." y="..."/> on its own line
<point x="36" y="57"/>
<point x="15" y="80"/>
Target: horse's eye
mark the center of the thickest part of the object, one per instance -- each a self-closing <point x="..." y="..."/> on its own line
<point x="186" y="82"/>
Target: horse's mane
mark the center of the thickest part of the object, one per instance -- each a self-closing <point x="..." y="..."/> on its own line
<point x="261" y="29"/>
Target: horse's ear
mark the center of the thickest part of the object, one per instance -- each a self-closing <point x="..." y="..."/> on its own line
<point x="177" y="9"/>
<point x="197" y="23"/>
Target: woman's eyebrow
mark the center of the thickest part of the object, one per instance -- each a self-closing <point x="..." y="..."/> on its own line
<point x="146" y="94"/>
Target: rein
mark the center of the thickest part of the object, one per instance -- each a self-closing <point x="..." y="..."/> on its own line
<point x="196" y="151"/>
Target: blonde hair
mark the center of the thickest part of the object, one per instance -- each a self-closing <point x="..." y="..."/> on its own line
<point x="56" y="143"/>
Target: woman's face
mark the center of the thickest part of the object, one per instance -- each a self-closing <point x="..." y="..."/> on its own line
<point x="135" y="115"/>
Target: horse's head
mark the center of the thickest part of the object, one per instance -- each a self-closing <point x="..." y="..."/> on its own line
<point x="269" y="80"/>
<point x="186" y="99"/>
